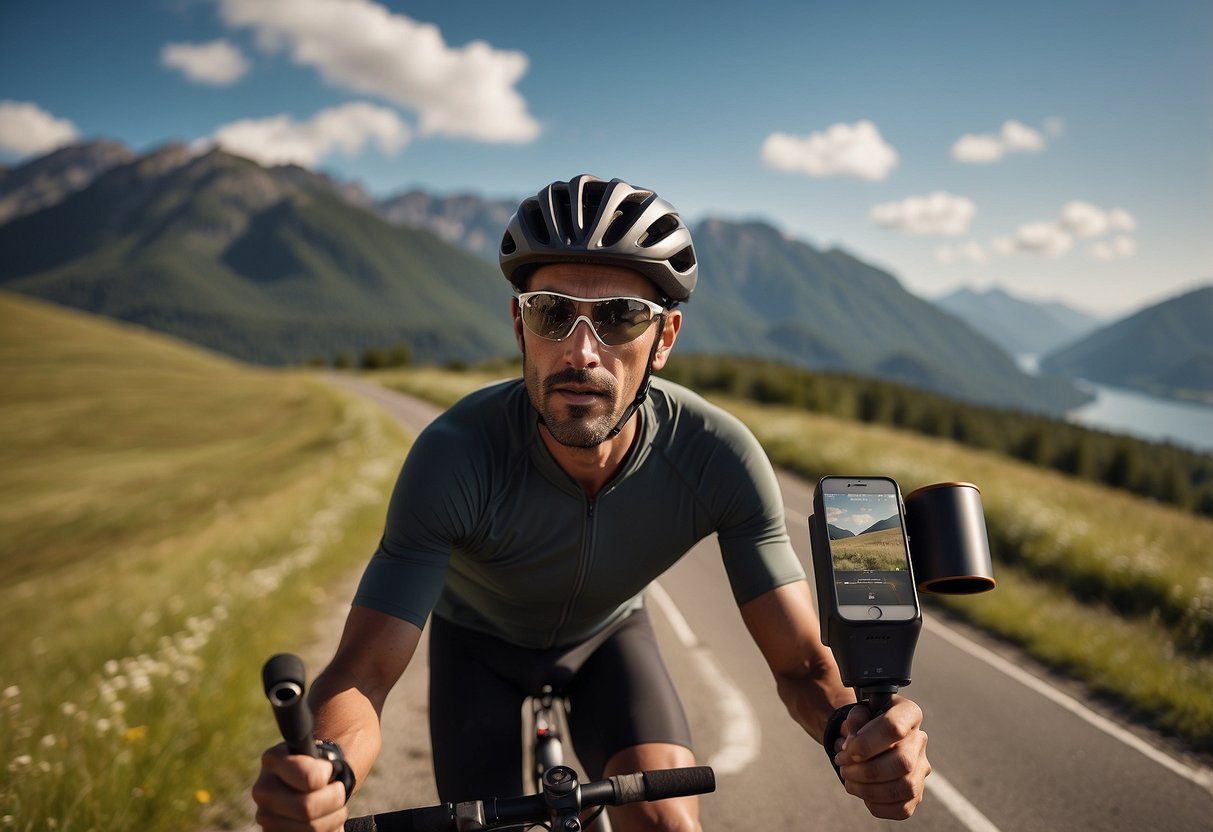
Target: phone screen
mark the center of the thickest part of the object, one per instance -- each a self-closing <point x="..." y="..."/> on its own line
<point x="871" y="563"/>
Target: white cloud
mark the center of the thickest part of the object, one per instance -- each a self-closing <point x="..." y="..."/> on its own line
<point x="1121" y="220"/>
<point x="971" y="251"/>
<point x="27" y="130"/>
<point x="280" y="140"/>
<point x="1047" y="238"/>
<point x="1053" y="238"/>
<point x="842" y="150"/>
<point x="217" y="63"/>
<point x="1119" y="246"/>
<point x="936" y="213"/>
<point x="1014" y="137"/>
<point x="362" y="46"/>
<point x="977" y="149"/>
<point x="1084" y="219"/>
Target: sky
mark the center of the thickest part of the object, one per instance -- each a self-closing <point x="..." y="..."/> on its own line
<point x="1057" y="150"/>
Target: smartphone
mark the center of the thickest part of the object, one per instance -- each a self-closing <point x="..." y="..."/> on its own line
<point x="864" y="523"/>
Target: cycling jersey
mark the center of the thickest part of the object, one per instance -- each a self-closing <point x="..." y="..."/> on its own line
<point x="485" y="530"/>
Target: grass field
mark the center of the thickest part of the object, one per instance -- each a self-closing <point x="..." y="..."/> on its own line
<point x="882" y="551"/>
<point x="169" y="519"/>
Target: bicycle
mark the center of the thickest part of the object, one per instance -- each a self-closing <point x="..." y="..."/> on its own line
<point x="558" y="806"/>
<point x="547" y="729"/>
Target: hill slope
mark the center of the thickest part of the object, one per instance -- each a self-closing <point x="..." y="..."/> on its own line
<point x="1020" y="327"/>
<point x="1165" y="350"/>
<point x="272" y="266"/>
<point x="767" y="295"/>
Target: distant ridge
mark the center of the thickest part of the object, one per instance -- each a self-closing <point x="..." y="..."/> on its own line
<point x="1164" y="350"/>
<point x="1021" y="327"/>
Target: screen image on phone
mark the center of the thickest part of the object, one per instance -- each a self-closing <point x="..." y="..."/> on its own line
<point x="868" y="551"/>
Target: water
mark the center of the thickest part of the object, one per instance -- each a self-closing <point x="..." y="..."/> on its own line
<point x="1118" y="410"/>
<point x="1147" y="417"/>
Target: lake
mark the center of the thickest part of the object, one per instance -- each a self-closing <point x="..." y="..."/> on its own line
<point x="1148" y="417"/>
<point x="1118" y="410"/>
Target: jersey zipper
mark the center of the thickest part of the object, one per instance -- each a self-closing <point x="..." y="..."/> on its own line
<point x="584" y="560"/>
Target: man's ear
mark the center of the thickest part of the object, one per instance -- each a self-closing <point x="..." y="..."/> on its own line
<point x="669" y="334"/>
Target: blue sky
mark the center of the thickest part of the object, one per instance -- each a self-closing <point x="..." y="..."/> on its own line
<point x="1056" y="149"/>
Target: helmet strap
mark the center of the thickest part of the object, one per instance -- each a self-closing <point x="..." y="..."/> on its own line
<point x="643" y="392"/>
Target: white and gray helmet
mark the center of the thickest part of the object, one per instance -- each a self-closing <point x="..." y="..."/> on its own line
<point x="588" y="220"/>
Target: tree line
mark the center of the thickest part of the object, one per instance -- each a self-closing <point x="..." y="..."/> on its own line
<point x="1161" y="471"/>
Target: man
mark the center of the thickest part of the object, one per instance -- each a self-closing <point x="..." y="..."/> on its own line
<point x="529" y="518"/>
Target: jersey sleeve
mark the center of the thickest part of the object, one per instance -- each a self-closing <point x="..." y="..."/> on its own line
<point x="752" y="531"/>
<point x="430" y="512"/>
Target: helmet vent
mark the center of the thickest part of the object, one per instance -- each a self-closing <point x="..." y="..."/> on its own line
<point x="562" y="214"/>
<point x="534" y="221"/>
<point x="625" y="217"/>
<point x="665" y="225"/>
<point x="508" y="246"/>
<point x="591" y="201"/>
<point x="683" y="260"/>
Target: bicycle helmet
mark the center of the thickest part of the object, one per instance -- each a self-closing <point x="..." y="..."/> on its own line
<point x="589" y="220"/>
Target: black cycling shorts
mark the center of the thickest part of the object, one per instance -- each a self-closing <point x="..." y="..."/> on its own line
<point x="619" y="692"/>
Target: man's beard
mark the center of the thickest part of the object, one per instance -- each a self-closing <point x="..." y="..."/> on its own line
<point x="580" y="428"/>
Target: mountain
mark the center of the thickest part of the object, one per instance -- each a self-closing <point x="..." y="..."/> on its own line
<point x="279" y="265"/>
<point x="269" y="265"/>
<point x="893" y="522"/>
<point x="1021" y="327"/>
<point x="48" y="179"/>
<point x="837" y="533"/>
<point x="1165" y="350"/>
<point x="761" y="293"/>
<point x="465" y="220"/>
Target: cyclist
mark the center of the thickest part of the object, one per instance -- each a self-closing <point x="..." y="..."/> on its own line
<point x="529" y="518"/>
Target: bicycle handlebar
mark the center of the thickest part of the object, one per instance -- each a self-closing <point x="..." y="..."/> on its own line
<point x="532" y="809"/>
<point x="283" y="678"/>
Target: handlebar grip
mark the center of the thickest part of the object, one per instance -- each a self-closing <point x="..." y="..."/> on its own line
<point x="654" y="785"/>
<point x="283" y="677"/>
<point x="678" y="782"/>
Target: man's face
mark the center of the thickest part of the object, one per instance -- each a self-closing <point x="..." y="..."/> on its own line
<point x="580" y="386"/>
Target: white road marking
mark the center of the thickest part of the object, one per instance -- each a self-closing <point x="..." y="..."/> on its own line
<point x="961" y="809"/>
<point x="740" y="736"/>
<point x="1203" y="777"/>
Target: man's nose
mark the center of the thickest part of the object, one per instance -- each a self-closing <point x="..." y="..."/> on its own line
<point x="582" y="344"/>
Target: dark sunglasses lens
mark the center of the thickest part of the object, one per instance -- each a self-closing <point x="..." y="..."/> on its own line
<point x="620" y="320"/>
<point x="549" y="316"/>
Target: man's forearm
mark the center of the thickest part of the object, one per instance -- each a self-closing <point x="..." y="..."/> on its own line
<point x="346" y="716"/>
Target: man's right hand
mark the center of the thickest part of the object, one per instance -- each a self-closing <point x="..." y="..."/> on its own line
<point x="293" y="792"/>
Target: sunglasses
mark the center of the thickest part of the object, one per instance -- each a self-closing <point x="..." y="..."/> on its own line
<point x="614" y="321"/>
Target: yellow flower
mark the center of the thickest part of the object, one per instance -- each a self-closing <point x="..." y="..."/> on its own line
<point x="135" y="733"/>
<point x="202" y="796"/>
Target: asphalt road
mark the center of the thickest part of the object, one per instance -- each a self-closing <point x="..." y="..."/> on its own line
<point x="1012" y="749"/>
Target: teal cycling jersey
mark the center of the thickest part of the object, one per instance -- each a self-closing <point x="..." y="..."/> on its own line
<point x="484" y="529"/>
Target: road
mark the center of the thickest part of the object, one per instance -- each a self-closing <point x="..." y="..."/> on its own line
<point x="1012" y="749"/>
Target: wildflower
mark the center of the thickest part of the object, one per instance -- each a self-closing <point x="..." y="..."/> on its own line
<point x="49" y="741"/>
<point x="68" y="709"/>
<point x="103" y="725"/>
<point x="12" y="692"/>
<point x="135" y="733"/>
<point x="202" y="796"/>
